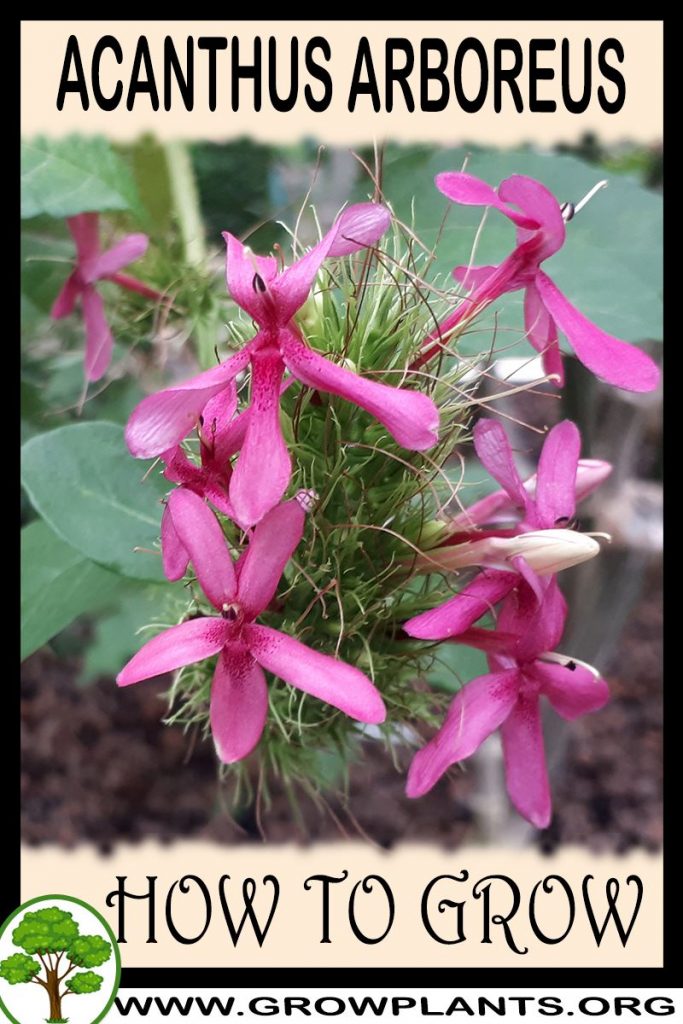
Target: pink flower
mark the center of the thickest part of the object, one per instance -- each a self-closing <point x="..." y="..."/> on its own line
<point x="221" y="434"/>
<point x="272" y="297"/>
<point x="240" y="592"/>
<point x="540" y="233"/>
<point x="93" y="265"/>
<point x="508" y="699"/>
<point x="546" y="502"/>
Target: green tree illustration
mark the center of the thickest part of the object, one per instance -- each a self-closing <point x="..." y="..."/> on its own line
<point x="51" y="935"/>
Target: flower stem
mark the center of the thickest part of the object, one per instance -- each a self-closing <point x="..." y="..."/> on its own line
<point x="186" y="201"/>
<point x="185" y="198"/>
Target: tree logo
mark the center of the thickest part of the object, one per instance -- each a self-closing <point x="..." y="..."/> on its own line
<point x="49" y="948"/>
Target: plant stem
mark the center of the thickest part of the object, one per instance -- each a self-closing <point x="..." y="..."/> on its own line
<point x="185" y="198"/>
<point x="186" y="201"/>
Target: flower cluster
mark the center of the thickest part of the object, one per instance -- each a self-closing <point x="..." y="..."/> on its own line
<point x="362" y="498"/>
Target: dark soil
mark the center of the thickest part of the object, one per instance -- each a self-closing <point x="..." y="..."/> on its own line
<point x="99" y="766"/>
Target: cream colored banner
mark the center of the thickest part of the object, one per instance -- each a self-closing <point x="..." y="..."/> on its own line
<point x="469" y="906"/>
<point x="44" y="44"/>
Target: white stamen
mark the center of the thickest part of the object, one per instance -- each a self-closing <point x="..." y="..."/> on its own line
<point x="589" y="195"/>
<point x="566" y="662"/>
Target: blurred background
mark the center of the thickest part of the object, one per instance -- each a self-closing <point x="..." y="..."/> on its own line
<point x="98" y="764"/>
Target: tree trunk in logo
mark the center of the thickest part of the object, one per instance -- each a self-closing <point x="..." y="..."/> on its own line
<point x="55" y="996"/>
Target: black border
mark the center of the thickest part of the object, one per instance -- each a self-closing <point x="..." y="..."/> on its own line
<point x="257" y="978"/>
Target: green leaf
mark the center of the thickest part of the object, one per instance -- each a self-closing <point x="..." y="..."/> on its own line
<point x="454" y="665"/>
<point x="89" y="951"/>
<point x="116" y="637"/>
<point x="63" y="177"/>
<point x="45" y="265"/>
<point x="57" y="585"/>
<point x="610" y="266"/>
<point x="87" y="981"/>
<point x="88" y="488"/>
<point x="19" y="968"/>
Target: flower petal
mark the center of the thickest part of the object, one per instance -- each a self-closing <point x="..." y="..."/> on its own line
<point x="85" y="231"/>
<point x="180" y="645"/>
<point x="200" y="534"/>
<point x="526" y="774"/>
<point x="572" y="691"/>
<point x="609" y="358"/>
<point x="99" y="342"/>
<point x="218" y="416"/>
<point x="180" y="470"/>
<point x="271" y="546"/>
<point x="66" y="300"/>
<point x="493" y="641"/>
<point x="473" y="277"/>
<point x="590" y="474"/>
<point x="556" y="476"/>
<point x="173" y="551"/>
<point x="356" y="228"/>
<point x="508" y="276"/>
<point x="497" y="507"/>
<point x="162" y="420"/>
<point x="239" y="704"/>
<point x="470" y="191"/>
<point x="411" y="417"/>
<point x="217" y="493"/>
<point x="242" y="272"/>
<point x="459" y="612"/>
<point x="477" y="710"/>
<point x="494" y="508"/>
<point x="493" y="448"/>
<point x="129" y="249"/>
<point x="537" y="202"/>
<point x="327" y="678"/>
<point x="542" y="333"/>
<point x="536" y="611"/>
<point x="263" y="469"/>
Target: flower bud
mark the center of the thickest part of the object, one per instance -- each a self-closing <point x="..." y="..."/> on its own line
<point x="545" y="551"/>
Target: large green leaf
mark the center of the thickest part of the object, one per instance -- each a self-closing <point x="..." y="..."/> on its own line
<point x="57" y="585"/>
<point x="610" y="266"/>
<point x="83" y="482"/>
<point x="63" y="177"/>
<point x="117" y="636"/>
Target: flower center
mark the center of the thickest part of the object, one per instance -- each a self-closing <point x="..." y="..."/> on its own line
<point x="231" y="612"/>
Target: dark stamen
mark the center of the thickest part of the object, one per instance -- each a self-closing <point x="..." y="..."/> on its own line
<point x="571" y="665"/>
<point x="258" y="284"/>
<point x="567" y="210"/>
<point x="564" y="522"/>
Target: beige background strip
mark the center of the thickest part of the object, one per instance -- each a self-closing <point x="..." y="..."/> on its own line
<point x="44" y="42"/>
<point x="295" y="933"/>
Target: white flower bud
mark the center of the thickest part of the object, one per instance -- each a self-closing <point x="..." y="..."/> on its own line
<point x="545" y="551"/>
